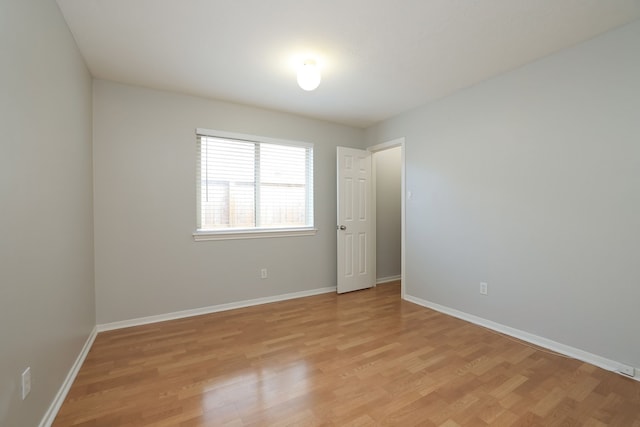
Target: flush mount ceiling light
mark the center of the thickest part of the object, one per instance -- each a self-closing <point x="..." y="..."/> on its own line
<point x="309" y="75"/>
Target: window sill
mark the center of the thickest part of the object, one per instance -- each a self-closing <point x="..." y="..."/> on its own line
<point x="204" y="235"/>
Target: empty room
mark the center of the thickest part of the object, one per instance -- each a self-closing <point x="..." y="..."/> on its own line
<point x="286" y="213"/>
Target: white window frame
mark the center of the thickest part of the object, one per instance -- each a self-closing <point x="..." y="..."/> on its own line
<point x="250" y="233"/>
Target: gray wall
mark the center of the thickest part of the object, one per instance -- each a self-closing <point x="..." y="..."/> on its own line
<point x="145" y="206"/>
<point x="47" y="308"/>
<point x="388" y="211"/>
<point x="531" y="182"/>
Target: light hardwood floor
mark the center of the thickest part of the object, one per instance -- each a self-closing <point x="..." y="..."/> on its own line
<point x="359" y="359"/>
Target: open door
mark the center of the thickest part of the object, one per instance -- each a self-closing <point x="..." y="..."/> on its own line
<point x="356" y="241"/>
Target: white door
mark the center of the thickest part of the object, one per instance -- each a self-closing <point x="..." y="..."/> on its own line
<point x="356" y="244"/>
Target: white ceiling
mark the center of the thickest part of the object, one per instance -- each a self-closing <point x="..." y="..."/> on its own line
<point x="378" y="57"/>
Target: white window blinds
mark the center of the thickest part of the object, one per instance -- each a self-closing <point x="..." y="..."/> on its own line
<point x="246" y="185"/>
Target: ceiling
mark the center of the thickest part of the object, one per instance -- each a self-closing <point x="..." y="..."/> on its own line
<point x="378" y="57"/>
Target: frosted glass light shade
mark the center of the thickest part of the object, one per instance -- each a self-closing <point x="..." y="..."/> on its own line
<point x="309" y="75"/>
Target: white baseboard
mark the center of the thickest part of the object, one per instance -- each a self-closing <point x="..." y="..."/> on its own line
<point x="576" y="353"/>
<point x="211" y="309"/>
<point x="602" y="362"/>
<point x="51" y="413"/>
<point x="381" y="280"/>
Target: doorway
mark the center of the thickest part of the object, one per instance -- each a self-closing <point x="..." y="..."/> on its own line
<point x="388" y="180"/>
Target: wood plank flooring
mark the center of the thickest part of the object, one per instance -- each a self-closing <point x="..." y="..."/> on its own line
<point x="358" y="359"/>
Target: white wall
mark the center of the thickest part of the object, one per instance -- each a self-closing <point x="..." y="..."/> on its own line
<point x="145" y="206"/>
<point x="531" y="182"/>
<point x="47" y="306"/>
<point x="388" y="216"/>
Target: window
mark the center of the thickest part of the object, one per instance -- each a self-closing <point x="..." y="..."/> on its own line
<point x="250" y="186"/>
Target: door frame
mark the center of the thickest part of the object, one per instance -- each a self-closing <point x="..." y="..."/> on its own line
<point x="398" y="142"/>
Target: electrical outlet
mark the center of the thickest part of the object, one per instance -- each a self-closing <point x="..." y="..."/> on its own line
<point x="627" y="370"/>
<point x="484" y="288"/>
<point x="26" y="382"/>
<point x="263" y="273"/>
